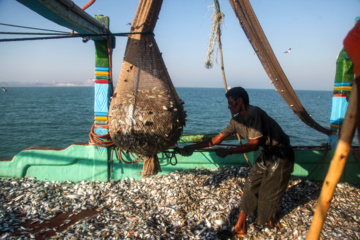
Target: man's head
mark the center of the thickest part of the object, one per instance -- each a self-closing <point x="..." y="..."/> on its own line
<point x="238" y="92"/>
<point x="238" y="100"/>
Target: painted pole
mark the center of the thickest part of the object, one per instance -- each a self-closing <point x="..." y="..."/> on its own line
<point x="337" y="165"/>
<point x="342" y="87"/>
<point x="103" y="80"/>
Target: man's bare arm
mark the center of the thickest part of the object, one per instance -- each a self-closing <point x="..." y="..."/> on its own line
<point x="250" y="146"/>
<point x="209" y="142"/>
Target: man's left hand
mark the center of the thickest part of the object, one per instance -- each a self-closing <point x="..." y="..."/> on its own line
<point x="185" y="152"/>
<point x="222" y="152"/>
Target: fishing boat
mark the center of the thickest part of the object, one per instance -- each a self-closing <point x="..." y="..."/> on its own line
<point x="92" y="161"/>
<point x="100" y="160"/>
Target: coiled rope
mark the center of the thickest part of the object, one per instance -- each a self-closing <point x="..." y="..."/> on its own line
<point x="96" y="139"/>
<point x="217" y="20"/>
<point x="139" y="158"/>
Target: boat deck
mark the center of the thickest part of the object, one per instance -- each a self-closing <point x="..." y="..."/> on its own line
<point x="187" y="204"/>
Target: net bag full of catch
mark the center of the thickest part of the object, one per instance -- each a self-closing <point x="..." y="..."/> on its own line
<point x="146" y="115"/>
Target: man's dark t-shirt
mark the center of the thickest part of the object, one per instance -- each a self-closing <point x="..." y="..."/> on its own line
<point x="257" y="125"/>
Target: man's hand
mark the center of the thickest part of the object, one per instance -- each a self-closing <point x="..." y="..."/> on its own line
<point x="222" y="152"/>
<point x="185" y="152"/>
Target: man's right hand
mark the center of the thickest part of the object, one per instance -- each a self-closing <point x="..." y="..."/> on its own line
<point x="222" y="152"/>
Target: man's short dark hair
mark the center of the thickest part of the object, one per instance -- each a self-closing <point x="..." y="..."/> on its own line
<point x="238" y="92"/>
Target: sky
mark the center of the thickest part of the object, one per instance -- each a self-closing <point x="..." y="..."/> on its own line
<point x="313" y="29"/>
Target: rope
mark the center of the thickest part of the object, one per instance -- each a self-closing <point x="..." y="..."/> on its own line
<point x="110" y="63"/>
<point x="10" y="25"/>
<point x="33" y="33"/>
<point x="61" y="36"/>
<point x="110" y="164"/>
<point x="137" y="159"/>
<point x="101" y="143"/>
<point x="95" y="139"/>
<point x="218" y="19"/>
<point x="172" y="155"/>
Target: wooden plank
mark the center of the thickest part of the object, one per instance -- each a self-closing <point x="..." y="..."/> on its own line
<point x="67" y="14"/>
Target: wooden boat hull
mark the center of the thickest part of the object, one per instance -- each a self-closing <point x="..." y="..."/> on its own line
<point x="83" y="161"/>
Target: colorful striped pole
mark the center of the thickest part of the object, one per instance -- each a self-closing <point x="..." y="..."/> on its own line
<point x="342" y="88"/>
<point x="103" y="83"/>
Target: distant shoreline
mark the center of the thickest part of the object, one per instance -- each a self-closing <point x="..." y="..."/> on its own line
<point x="42" y="86"/>
<point x="84" y="86"/>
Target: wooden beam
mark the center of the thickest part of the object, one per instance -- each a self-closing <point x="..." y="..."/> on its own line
<point x="337" y="164"/>
<point x="67" y="14"/>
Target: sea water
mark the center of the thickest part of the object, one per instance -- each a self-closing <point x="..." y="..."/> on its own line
<point x="60" y="116"/>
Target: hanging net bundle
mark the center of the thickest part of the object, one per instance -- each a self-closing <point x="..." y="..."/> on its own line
<point x="146" y="115"/>
<point x="256" y="36"/>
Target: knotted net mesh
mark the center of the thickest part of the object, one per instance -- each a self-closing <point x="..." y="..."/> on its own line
<point x="146" y="115"/>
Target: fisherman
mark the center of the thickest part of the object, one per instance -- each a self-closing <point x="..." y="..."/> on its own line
<point x="269" y="177"/>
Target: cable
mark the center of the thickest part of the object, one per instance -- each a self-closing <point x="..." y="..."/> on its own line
<point x="110" y="64"/>
<point x="10" y="25"/>
<point x="33" y="33"/>
<point x="72" y="36"/>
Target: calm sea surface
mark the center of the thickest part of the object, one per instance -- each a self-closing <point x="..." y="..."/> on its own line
<point x="59" y="116"/>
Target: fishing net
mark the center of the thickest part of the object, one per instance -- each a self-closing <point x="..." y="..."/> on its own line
<point x="146" y="115"/>
<point x="256" y="36"/>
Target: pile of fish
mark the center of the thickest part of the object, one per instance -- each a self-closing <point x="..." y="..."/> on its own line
<point x="187" y="204"/>
<point x="146" y="121"/>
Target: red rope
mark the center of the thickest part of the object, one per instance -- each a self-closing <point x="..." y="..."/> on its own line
<point x="138" y="159"/>
<point x="99" y="142"/>
<point x="95" y="139"/>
